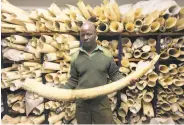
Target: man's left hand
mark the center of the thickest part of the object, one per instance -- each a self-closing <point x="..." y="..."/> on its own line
<point x="133" y="82"/>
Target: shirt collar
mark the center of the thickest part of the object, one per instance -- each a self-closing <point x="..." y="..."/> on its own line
<point x="98" y="47"/>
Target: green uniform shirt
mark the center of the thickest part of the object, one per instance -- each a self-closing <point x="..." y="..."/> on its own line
<point x="92" y="70"/>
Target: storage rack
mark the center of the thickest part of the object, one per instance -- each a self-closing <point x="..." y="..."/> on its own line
<point x="107" y="35"/>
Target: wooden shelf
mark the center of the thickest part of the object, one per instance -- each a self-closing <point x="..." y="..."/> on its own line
<point x="100" y="34"/>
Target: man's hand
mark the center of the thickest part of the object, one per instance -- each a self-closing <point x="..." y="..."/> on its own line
<point x="133" y="82"/>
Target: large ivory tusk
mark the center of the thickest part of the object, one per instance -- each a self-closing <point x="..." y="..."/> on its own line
<point x="173" y="52"/>
<point x="116" y="26"/>
<point x="86" y="93"/>
<point x="148" y="109"/>
<point x="170" y="22"/>
<point x="129" y="27"/>
<point x="102" y="27"/>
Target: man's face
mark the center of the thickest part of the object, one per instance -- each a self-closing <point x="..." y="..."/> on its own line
<point x="88" y="36"/>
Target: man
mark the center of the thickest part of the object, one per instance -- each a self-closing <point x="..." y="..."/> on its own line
<point x="90" y="67"/>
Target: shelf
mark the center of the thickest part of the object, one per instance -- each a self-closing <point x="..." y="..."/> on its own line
<point x="100" y="34"/>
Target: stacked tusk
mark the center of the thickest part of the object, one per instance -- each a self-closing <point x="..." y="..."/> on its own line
<point x="107" y="17"/>
<point x="140" y="48"/>
<point x="172" y="47"/>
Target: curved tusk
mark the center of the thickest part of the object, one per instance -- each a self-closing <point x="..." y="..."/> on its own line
<point x="64" y="94"/>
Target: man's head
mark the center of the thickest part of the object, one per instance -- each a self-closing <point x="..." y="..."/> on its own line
<point x="88" y="36"/>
